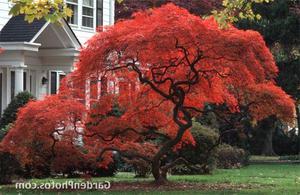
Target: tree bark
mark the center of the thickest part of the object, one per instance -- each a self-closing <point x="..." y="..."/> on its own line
<point x="298" y="124"/>
<point x="159" y="176"/>
<point x="268" y="126"/>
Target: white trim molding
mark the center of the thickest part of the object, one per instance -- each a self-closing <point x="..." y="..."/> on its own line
<point x="17" y="46"/>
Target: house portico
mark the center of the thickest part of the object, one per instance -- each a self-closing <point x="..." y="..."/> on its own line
<point x="35" y="58"/>
<point x="38" y="55"/>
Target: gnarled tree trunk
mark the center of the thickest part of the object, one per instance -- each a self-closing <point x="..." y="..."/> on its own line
<point x="268" y="126"/>
<point x="298" y="123"/>
<point x="159" y="176"/>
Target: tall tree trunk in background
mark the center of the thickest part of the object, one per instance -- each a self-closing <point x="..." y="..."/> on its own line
<point x="268" y="126"/>
<point x="298" y="123"/>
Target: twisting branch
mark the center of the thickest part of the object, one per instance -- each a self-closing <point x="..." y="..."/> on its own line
<point x="150" y="131"/>
<point x="147" y="81"/>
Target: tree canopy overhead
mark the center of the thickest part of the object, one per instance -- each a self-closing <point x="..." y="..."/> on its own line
<point x="168" y="64"/>
<point x="224" y="11"/>
<point x="125" y="8"/>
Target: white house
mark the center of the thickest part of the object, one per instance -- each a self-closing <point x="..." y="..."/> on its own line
<point x="38" y="55"/>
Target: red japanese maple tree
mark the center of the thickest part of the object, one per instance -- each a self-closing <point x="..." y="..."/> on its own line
<point x="171" y="64"/>
<point x="45" y="131"/>
<point x="181" y="63"/>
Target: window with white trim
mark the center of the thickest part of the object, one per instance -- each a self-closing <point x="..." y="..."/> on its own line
<point x="99" y="13"/>
<point x="88" y="13"/>
<point x="73" y="5"/>
<point x="55" y="81"/>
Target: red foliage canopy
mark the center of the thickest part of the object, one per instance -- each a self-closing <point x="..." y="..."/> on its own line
<point x="182" y="63"/>
<point x="47" y="133"/>
<point x="228" y="66"/>
<point x="174" y="63"/>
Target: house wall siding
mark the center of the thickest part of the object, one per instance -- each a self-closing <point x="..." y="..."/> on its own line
<point x="4" y="10"/>
<point x="82" y="33"/>
<point x="108" y="12"/>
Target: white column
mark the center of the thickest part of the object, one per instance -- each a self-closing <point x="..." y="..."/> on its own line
<point x="19" y="80"/>
<point x="87" y="93"/>
<point x="6" y="88"/>
<point x="99" y="87"/>
<point x="112" y="12"/>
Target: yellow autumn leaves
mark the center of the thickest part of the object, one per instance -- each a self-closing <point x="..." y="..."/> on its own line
<point x="235" y="10"/>
<point x="54" y="10"/>
<point x="51" y="10"/>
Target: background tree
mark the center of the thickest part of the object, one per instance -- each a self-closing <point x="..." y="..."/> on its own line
<point x="280" y="28"/>
<point x="226" y="11"/>
<point x="126" y="8"/>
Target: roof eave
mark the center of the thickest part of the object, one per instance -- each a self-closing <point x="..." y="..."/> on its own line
<point x="20" y="46"/>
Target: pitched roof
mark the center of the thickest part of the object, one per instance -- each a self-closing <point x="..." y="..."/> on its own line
<point x="19" y="30"/>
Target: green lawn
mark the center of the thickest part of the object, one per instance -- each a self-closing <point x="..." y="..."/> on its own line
<point x="271" y="179"/>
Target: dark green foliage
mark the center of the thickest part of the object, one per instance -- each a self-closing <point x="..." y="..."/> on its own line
<point x="124" y="167"/>
<point x="9" y="167"/>
<point x="109" y="172"/>
<point x="289" y="76"/>
<point x="278" y="23"/>
<point x="231" y="157"/>
<point x="10" y="113"/>
<point x="4" y="130"/>
<point x="141" y="168"/>
<point x="285" y="143"/>
<point x="202" y="154"/>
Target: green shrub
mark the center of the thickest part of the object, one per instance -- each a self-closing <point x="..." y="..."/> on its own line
<point x="4" y="130"/>
<point x="141" y="168"/>
<point x="285" y="143"/>
<point x="231" y="157"/>
<point x="203" y="154"/>
<point x="9" y="167"/>
<point x="10" y="113"/>
<point x="124" y="166"/>
<point x="109" y="172"/>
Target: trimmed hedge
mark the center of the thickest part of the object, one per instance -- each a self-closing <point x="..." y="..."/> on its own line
<point x="10" y="113"/>
<point x="203" y="154"/>
<point x="231" y="157"/>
